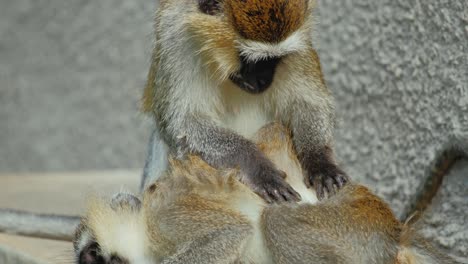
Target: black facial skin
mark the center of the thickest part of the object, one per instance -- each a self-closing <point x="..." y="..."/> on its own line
<point x="90" y="255"/>
<point x="255" y="77"/>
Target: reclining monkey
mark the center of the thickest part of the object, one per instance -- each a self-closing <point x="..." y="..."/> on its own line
<point x="197" y="214"/>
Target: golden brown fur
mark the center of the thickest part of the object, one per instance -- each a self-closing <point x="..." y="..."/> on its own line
<point x="199" y="214"/>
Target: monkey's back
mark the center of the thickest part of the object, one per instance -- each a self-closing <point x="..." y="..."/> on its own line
<point x="355" y="226"/>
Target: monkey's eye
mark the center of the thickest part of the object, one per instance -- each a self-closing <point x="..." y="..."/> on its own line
<point x="210" y="7"/>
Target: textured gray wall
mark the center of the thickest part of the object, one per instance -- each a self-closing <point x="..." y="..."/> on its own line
<point x="71" y="73"/>
<point x="399" y="70"/>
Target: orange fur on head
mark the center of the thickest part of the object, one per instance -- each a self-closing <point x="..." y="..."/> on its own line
<point x="266" y="20"/>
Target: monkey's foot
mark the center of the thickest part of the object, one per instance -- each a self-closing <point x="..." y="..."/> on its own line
<point x="327" y="180"/>
<point x="269" y="183"/>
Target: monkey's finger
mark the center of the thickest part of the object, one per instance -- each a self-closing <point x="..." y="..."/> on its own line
<point x="329" y="182"/>
<point x="275" y="193"/>
<point x="291" y="197"/>
<point x="264" y="194"/>
<point x="288" y="196"/>
<point x="295" y="196"/>
<point x="319" y="190"/>
<point x="308" y="182"/>
<point x="341" y="180"/>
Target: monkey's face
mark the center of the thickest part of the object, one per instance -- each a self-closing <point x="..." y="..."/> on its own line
<point x="246" y="40"/>
<point x="113" y="233"/>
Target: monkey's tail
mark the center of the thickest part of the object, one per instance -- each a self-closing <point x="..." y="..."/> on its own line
<point x="414" y="249"/>
<point x="50" y="226"/>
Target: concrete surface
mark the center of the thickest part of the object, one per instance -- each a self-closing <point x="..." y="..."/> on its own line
<point x="12" y="256"/>
<point x="62" y="193"/>
<point x="71" y="73"/>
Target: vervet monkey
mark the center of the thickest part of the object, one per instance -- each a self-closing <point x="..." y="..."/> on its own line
<point x="199" y="214"/>
<point x="222" y="69"/>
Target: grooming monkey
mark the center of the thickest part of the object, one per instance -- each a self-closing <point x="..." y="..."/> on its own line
<point x="222" y="69"/>
<point x="198" y="214"/>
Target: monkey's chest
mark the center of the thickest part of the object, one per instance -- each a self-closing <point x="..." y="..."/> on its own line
<point x="246" y="119"/>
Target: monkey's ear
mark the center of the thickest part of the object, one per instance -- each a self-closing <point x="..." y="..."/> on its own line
<point x="210" y="7"/>
<point x="126" y="201"/>
<point x="91" y="255"/>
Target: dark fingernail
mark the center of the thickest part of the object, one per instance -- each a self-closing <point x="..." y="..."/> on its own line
<point x="275" y="195"/>
<point x="281" y="197"/>
<point x="320" y="193"/>
<point x="288" y="198"/>
<point x="296" y="195"/>
<point x="265" y="196"/>
<point x="297" y="198"/>
<point x="339" y="183"/>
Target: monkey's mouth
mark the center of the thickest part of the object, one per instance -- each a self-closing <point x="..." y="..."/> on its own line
<point x="255" y="77"/>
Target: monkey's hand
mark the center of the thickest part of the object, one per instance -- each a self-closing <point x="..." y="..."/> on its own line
<point x="268" y="182"/>
<point x="326" y="178"/>
<point x="222" y="148"/>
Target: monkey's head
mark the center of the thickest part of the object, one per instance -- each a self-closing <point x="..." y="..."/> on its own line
<point x="113" y="233"/>
<point x="239" y="40"/>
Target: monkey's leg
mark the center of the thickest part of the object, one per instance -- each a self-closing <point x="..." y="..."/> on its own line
<point x="206" y="231"/>
<point x="217" y="247"/>
<point x="223" y="148"/>
<point x="301" y="235"/>
<point x="156" y="160"/>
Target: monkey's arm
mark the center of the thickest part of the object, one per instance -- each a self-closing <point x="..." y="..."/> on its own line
<point x="223" y="148"/>
<point x="57" y="227"/>
<point x="312" y="127"/>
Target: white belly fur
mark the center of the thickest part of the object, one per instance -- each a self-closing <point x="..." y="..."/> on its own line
<point x="251" y="205"/>
<point x="243" y="113"/>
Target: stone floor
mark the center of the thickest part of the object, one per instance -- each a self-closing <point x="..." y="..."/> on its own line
<point x="61" y="193"/>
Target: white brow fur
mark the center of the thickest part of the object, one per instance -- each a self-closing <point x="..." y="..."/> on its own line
<point x="255" y="50"/>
